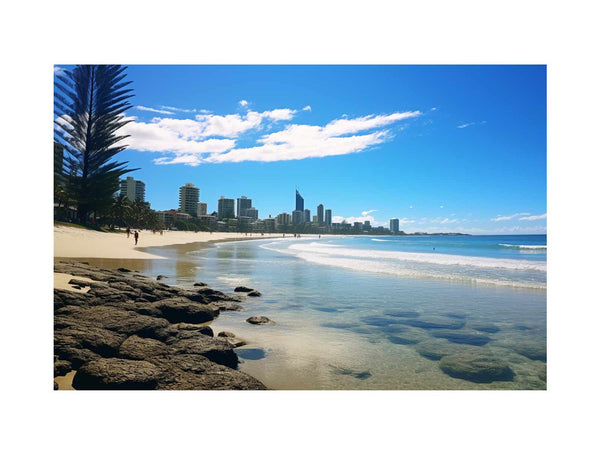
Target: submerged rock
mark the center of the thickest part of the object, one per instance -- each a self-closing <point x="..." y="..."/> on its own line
<point x="401" y="313"/>
<point x="260" y="320"/>
<point x="532" y="350"/>
<point x="462" y="337"/>
<point x="360" y="375"/>
<point x="476" y="367"/>
<point x="433" y="322"/>
<point x="254" y="294"/>
<point x="485" y="327"/>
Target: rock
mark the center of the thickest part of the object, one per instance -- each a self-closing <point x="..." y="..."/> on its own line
<point x="254" y="294"/>
<point x="101" y="341"/>
<point x="243" y="289"/>
<point x="462" y="337"/>
<point x="260" y="320"/>
<point x="235" y="342"/>
<point x="401" y="313"/>
<point x="115" y="373"/>
<point x="55" y="386"/>
<point x="79" y="283"/>
<point x="217" y="350"/>
<point x="64" y="298"/>
<point x="123" y="269"/>
<point x="361" y="375"/>
<point x="200" y="284"/>
<point x="226" y="334"/>
<point x="476" y="367"/>
<point x="379" y="321"/>
<point x="123" y="322"/>
<point x="135" y="347"/>
<point x="485" y="327"/>
<point x="432" y="322"/>
<point x="61" y="367"/>
<point x="532" y="350"/>
<point x="203" y="329"/>
<point x="436" y="349"/>
<point x="179" y="309"/>
<point x="160" y="277"/>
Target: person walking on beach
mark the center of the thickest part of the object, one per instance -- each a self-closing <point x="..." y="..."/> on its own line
<point x="136" y="235"/>
<point x="128" y="231"/>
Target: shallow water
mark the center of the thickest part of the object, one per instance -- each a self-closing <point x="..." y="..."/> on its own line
<point x="350" y="327"/>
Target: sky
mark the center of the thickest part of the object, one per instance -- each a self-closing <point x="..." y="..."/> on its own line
<point x="441" y="148"/>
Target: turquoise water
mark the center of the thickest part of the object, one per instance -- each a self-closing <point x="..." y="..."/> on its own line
<point x="357" y="312"/>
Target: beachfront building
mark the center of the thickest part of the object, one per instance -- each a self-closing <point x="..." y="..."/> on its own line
<point x="299" y="202"/>
<point x="134" y="190"/>
<point x="189" y="195"/>
<point x="307" y="215"/>
<point x="394" y="225"/>
<point x="243" y="203"/>
<point x="209" y="221"/>
<point x="320" y="213"/>
<point x="297" y="217"/>
<point x="226" y="208"/>
<point x="269" y="225"/>
<point x="328" y="217"/>
<point x="202" y="209"/>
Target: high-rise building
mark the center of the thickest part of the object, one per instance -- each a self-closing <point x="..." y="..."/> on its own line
<point x="243" y="203"/>
<point x="133" y="189"/>
<point x="297" y="217"/>
<point x="394" y="225"/>
<point x="250" y="212"/>
<point x="328" y="217"/>
<point x="320" y="213"/>
<point x="202" y="208"/>
<point x="307" y="215"/>
<point x="189" y="195"/>
<point x="226" y="208"/>
<point x="299" y="202"/>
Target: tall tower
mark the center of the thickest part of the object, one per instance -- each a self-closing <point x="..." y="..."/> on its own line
<point x="189" y="195"/>
<point x="243" y="203"/>
<point x="394" y="225"/>
<point x="299" y="201"/>
<point x="328" y="217"/>
<point x="320" y="213"/>
<point x="225" y="208"/>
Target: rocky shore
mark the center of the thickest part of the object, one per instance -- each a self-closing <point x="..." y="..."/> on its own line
<point x="118" y="329"/>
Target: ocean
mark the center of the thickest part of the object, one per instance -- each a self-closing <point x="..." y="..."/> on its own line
<point x="368" y="312"/>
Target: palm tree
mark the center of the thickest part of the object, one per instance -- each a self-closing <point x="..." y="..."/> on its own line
<point x="90" y="102"/>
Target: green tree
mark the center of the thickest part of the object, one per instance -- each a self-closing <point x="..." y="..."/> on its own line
<point x="89" y="106"/>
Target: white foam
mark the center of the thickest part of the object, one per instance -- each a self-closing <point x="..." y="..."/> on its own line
<point x="380" y="240"/>
<point x="525" y="247"/>
<point x="428" y="258"/>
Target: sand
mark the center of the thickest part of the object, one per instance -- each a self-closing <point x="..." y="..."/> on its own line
<point x="72" y="242"/>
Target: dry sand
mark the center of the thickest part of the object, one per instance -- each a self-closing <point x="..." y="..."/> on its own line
<point x="72" y="242"/>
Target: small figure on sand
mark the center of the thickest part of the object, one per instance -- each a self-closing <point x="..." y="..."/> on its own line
<point x="136" y="236"/>
<point x="161" y="232"/>
<point x="128" y="231"/>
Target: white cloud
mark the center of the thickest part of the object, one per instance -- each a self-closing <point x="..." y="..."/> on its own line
<point x="366" y="213"/>
<point x="158" y="111"/>
<point x="184" y="110"/>
<point x="513" y="216"/>
<point x="465" y="125"/>
<point x="243" y="102"/>
<point x="540" y="217"/>
<point x="410" y="206"/>
<point x="307" y="108"/>
<point x="443" y="220"/>
<point x="211" y="137"/>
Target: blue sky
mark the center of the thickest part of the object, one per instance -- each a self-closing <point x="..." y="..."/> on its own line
<point x="442" y="148"/>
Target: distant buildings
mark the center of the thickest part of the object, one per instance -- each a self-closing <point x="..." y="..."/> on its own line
<point x="394" y="225"/>
<point x="133" y="189"/>
<point x="283" y="219"/>
<point x="328" y="217"/>
<point x="243" y="203"/>
<point x="297" y="217"/>
<point x="250" y="212"/>
<point x="226" y="208"/>
<point x="320" y="213"/>
<point x="202" y="209"/>
<point x="189" y="195"/>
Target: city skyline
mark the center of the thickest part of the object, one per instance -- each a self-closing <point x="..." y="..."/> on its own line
<point x="441" y="148"/>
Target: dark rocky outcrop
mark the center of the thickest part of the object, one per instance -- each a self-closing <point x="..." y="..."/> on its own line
<point x="115" y="373"/>
<point x="160" y="277"/>
<point x="260" y="320"/>
<point x="129" y="332"/>
<point x="462" y="337"/>
<point x="243" y="289"/>
<point x="433" y="322"/>
<point x="199" y="283"/>
<point x="254" y="294"/>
